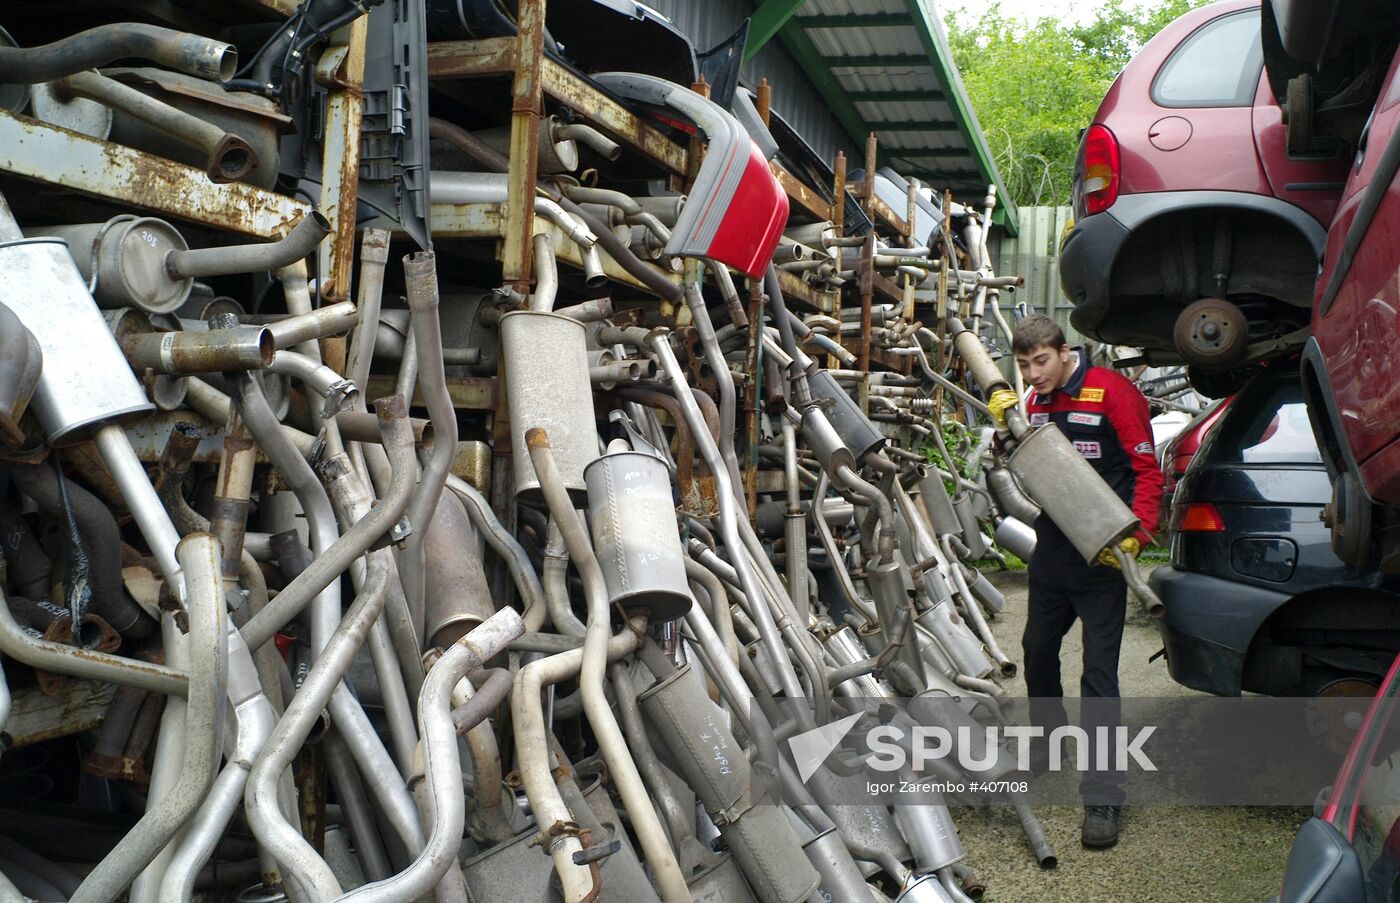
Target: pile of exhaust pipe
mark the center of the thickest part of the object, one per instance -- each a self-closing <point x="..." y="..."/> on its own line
<point x="387" y="648"/>
<point x="323" y="602"/>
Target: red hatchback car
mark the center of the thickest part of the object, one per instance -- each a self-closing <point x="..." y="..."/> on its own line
<point x="1197" y="234"/>
<point x="1351" y="366"/>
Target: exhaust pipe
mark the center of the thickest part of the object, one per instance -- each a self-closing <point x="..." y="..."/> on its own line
<point x="298" y="243"/>
<point x="589" y="137"/>
<point x="228" y="158"/>
<point x="204" y="351"/>
<point x="1013" y="502"/>
<point x="288" y="332"/>
<point x="105" y="44"/>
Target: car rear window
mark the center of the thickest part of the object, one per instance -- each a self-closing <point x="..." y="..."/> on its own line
<point x="1267" y="425"/>
<point x="1217" y="66"/>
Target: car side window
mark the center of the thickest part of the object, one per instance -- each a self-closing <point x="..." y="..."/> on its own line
<point x="1217" y="66"/>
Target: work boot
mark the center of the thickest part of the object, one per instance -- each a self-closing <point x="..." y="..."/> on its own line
<point x="1100" y="829"/>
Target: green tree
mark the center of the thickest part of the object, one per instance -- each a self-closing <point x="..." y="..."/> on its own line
<point x="1034" y="85"/>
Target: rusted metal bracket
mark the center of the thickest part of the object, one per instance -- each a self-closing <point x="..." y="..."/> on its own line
<point x="102" y="169"/>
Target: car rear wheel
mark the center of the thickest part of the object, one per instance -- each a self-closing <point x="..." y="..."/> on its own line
<point x="1212" y="333"/>
<point x="1348" y="516"/>
<point x="1335" y="725"/>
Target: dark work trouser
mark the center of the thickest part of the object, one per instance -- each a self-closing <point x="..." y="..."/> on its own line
<point x="1100" y="606"/>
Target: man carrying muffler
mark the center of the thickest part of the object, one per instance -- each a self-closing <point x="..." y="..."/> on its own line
<point x="1106" y="418"/>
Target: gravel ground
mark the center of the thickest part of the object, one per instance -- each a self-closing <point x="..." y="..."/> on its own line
<point x="1166" y="854"/>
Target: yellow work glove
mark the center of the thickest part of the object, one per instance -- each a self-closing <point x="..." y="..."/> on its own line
<point x="1002" y="400"/>
<point x="1130" y="546"/>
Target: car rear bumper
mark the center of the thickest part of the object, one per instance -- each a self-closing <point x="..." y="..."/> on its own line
<point x="1086" y="264"/>
<point x="1208" y="626"/>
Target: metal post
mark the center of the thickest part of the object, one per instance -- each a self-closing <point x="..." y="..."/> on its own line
<point x="340" y="167"/>
<point x="524" y="145"/>
<point x="753" y="363"/>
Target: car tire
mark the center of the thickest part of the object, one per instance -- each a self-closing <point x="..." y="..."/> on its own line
<point x="1349" y="518"/>
<point x="1211" y="333"/>
<point x="1334" y="682"/>
<point x="1334" y="725"/>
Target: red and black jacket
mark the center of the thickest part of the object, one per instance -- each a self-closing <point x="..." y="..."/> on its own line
<point x="1106" y="418"/>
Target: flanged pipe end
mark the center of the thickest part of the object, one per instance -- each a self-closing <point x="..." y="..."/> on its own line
<point x="536" y="438"/>
<point x="231" y="160"/>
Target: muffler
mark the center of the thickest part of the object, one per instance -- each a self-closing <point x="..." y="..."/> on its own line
<point x="886" y="582"/>
<point x="990" y="597"/>
<point x="1082" y="505"/>
<point x="938" y="504"/>
<point x="85" y="382"/>
<point x="855" y="429"/>
<point x="455" y="588"/>
<point x="243" y="119"/>
<point x="931" y="834"/>
<point x="124" y="259"/>
<point x="972" y="535"/>
<point x="633" y="520"/>
<point x="547" y="387"/>
<point x="144" y="262"/>
<point x="1016" y="537"/>
<point x="711" y="761"/>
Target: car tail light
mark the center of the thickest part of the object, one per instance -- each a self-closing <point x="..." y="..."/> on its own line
<point x="1101" y="169"/>
<point x="1199" y="517"/>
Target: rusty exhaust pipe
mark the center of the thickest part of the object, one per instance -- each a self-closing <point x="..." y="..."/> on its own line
<point x="228" y="157"/>
<point x="201" y="351"/>
<point x="298" y="243"/>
